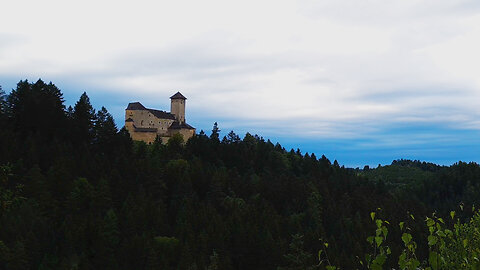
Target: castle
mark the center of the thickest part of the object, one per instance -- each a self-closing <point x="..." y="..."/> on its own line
<point x="145" y="124"/>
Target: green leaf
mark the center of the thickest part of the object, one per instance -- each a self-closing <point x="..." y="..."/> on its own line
<point x="375" y="266"/>
<point x="412" y="217"/>
<point x="452" y="214"/>
<point x="372" y="215"/>
<point x="320" y="255"/>
<point x="379" y="223"/>
<point x="385" y="231"/>
<point x="401" y="225"/>
<point x="378" y="240"/>
<point x="380" y="260"/>
<point x="465" y="243"/>
<point x="406" y="238"/>
<point x="415" y="264"/>
<point x="330" y="267"/>
<point x="326" y="244"/>
<point x="432" y="240"/>
<point x="430" y="222"/>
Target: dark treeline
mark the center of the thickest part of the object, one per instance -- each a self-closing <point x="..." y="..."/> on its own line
<point x="77" y="193"/>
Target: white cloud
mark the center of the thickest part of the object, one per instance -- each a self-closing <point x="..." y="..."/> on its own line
<point x="337" y="68"/>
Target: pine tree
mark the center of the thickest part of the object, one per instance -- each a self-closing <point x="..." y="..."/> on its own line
<point x="36" y="109"/>
<point x="3" y="107"/>
<point x="83" y="119"/>
<point x="215" y="133"/>
<point x="105" y="130"/>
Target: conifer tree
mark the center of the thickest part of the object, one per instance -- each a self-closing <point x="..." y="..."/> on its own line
<point x="105" y="127"/>
<point x="215" y="132"/>
<point x="3" y="104"/>
<point x="83" y="119"/>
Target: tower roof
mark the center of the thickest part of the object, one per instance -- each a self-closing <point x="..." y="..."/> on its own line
<point x="178" y="95"/>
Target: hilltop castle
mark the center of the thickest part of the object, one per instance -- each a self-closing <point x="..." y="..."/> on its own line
<point x="145" y="124"/>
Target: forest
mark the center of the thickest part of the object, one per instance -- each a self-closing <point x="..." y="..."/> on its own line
<point x="77" y="193"/>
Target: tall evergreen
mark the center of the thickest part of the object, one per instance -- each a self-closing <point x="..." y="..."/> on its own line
<point x="3" y="106"/>
<point x="83" y="120"/>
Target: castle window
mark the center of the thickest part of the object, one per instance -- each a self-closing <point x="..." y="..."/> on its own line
<point x="141" y="123"/>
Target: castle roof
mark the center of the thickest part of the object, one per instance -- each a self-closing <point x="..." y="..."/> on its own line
<point x="178" y="95"/>
<point x="162" y="114"/>
<point x="177" y="125"/>
<point x="135" y="106"/>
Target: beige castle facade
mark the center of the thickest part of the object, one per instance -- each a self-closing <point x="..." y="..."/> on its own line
<point x="145" y="124"/>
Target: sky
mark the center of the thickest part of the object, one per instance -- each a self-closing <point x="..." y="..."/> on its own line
<point x="362" y="82"/>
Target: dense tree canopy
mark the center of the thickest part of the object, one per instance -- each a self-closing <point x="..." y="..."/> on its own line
<point x="77" y="193"/>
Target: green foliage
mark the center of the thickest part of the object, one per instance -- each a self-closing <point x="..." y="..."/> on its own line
<point x="77" y="193"/>
<point x="377" y="258"/>
<point x="84" y="119"/>
<point x="447" y="249"/>
<point x="175" y="146"/>
<point x="10" y="193"/>
<point x="458" y="248"/>
<point x="215" y="132"/>
<point x="166" y="250"/>
<point x="297" y="257"/>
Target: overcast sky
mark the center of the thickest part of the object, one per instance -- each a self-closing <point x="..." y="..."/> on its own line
<point x="364" y="82"/>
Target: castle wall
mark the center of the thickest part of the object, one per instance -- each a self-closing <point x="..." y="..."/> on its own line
<point x="148" y="137"/>
<point x="142" y="118"/>
<point x="129" y="127"/>
<point x="163" y="125"/>
<point x="145" y="119"/>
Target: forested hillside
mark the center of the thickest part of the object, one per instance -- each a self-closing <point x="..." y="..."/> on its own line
<point x="77" y="193"/>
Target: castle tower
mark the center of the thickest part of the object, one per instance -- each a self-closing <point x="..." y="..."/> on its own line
<point x="177" y="107"/>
